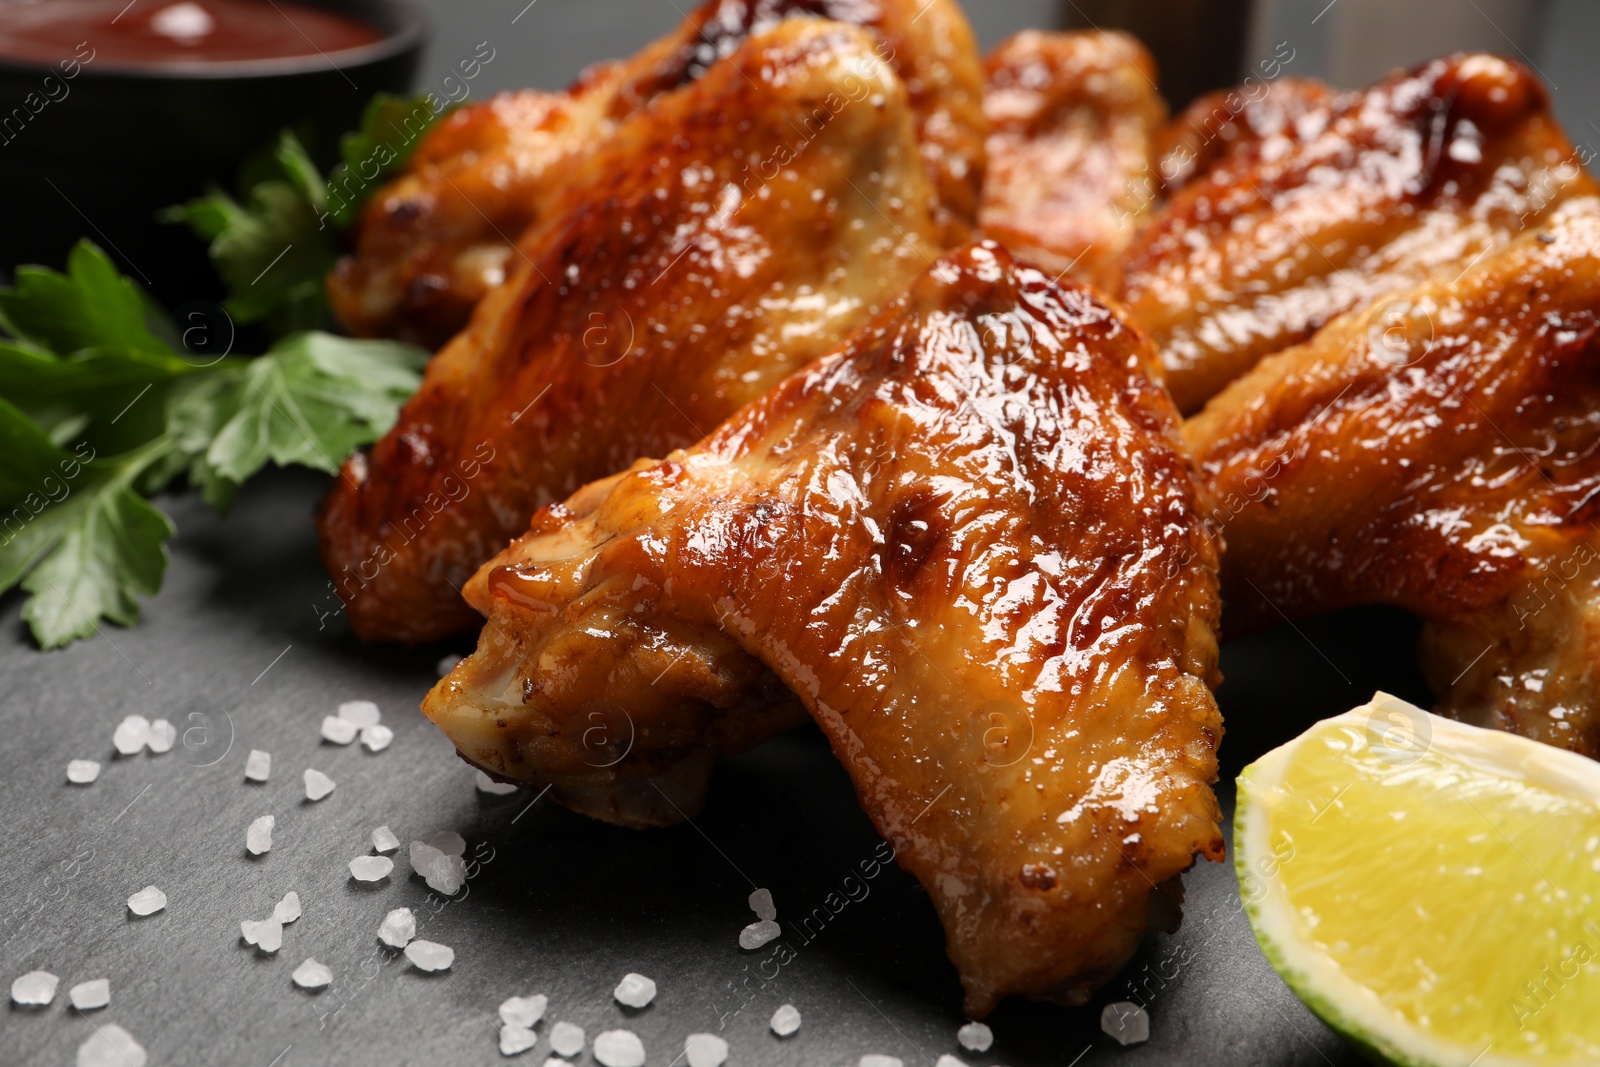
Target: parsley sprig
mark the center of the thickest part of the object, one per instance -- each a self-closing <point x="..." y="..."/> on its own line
<point x="99" y="410"/>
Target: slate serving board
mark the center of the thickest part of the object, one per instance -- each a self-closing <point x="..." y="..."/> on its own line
<point x="243" y="649"/>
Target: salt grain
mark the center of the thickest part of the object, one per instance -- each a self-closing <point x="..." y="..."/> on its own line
<point x="34" y="989"/>
<point x="383" y="840"/>
<point x="371" y="868"/>
<point x="87" y="996"/>
<point x="132" y="734"/>
<point x="376" y="738"/>
<point x="758" y="933"/>
<point x="163" y="735"/>
<point x="287" y="910"/>
<point x="449" y="874"/>
<point x="449" y="842"/>
<point x="446" y="664"/>
<point x="257" y="766"/>
<point x="786" y="1020"/>
<point x="339" y="731"/>
<point x="266" y="935"/>
<point x="82" y="771"/>
<point x="423" y="857"/>
<point x="975" y="1037"/>
<point x="398" y="928"/>
<point x="557" y="1061"/>
<point x="515" y="1040"/>
<point x="761" y="903"/>
<point x="705" y="1050"/>
<point x="619" y="1048"/>
<point x="147" y="901"/>
<point x="948" y="1060"/>
<point x="634" y="991"/>
<point x="258" y="838"/>
<point x="493" y="788"/>
<point x="873" y="1059"/>
<point x="361" y="713"/>
<point x="1126" y="1022"/>
<point x="430" y="956"/>
<point x="111" y="1046"/>
<point x="567" y="1039"/>
<point x="318" y="785"/>
<point x="523" y="1011"/>
<point x="311" y="974"/>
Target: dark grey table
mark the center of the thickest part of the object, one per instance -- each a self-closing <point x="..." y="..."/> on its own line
<point x="239" y="652"/>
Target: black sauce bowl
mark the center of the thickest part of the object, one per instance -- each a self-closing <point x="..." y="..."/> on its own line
<point x="118" y="144"/>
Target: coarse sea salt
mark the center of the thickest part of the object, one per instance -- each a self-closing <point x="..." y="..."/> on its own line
<point x="34" y="989"/>
<point x="147" y="901"/>
<point x="383" y="840"/>
<point x="567" y="1039"/>
<point x="131" y="735"/>
<point x="318" y="785"/>
<point x="523" y="1011"/>
<point x="705" y="1050"/>
<point x="430" y="956"/>
<point x="87" y="996"/>
<point x="266" y="935"/>
<point x="82" y="771"/>
<point x="493" y="788"/>
<point x="634" y="991"/>
<point x="449" y="842"/>
<point x="376" y="738"/>
<point x="258" y="838"/>
<point x="311" y="974"/>
<point x="873" y="1059"/>
<point x="448" y="876"/>
<point x="287" y="910"/>
<point x="975" y="1037"/>
<point x="163" y="735"/>
<point x="947" y="1060"/>
<point x="257" y="766"/>
<point x="761" y="903"/>
<point x="339" y="731"/>
<point x="1125" y="1022"/>
<point x="111" y="1046"/>
<point x="619" y="1048"/>
<point x="758" y="933"/>
<point x="371" y="868"/>
<point x="362" y="713"/>
<point x="515" y="1040"/>
<point x="398" y="928"/>
<point x="786" y="1020"/>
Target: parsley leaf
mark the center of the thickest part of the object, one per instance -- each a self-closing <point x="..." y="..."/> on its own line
<point x="76" y="534"/>
<point x="391" y="129"/>
<point x="90" y="306"/>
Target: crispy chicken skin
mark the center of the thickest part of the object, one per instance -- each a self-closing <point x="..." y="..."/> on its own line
<point x="436" y="239"/>
<point x="1073" y="121"/>
<point x="1375" y="191"/>
<point x="1221" y="123"/>
<point x="671" y="288"/>
<point x="1439" y="452"/>
<point x="970" y="543"/>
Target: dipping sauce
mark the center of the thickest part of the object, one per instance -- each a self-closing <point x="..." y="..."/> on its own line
<point x="154" y="33"/>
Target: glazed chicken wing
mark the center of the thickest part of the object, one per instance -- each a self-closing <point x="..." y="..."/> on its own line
<point x="1221" y="123"/>
<point x="673" y="286"/>
<point x="435" y="240"/>
<point x="970" y="544"/>
<point x="1073" y="119"/>
<point x="1374" y="191"/>
<point x="1439" y="452"/>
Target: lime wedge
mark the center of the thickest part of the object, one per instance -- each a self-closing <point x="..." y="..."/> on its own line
<point x="1429" y="889"/>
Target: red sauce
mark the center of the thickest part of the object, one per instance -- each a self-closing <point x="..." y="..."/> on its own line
<point x="166" y="32"/>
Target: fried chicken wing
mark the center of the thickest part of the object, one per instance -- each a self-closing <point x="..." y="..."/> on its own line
<point x="1220" y="123"/>
<point x="1073" y="120"/>
<point x="674" y="286"/>
<point x="1373" y="192"/>
<point x="970" y="544"/>
<point x="1439" y="452"/>
<point x="436" y="239"/>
